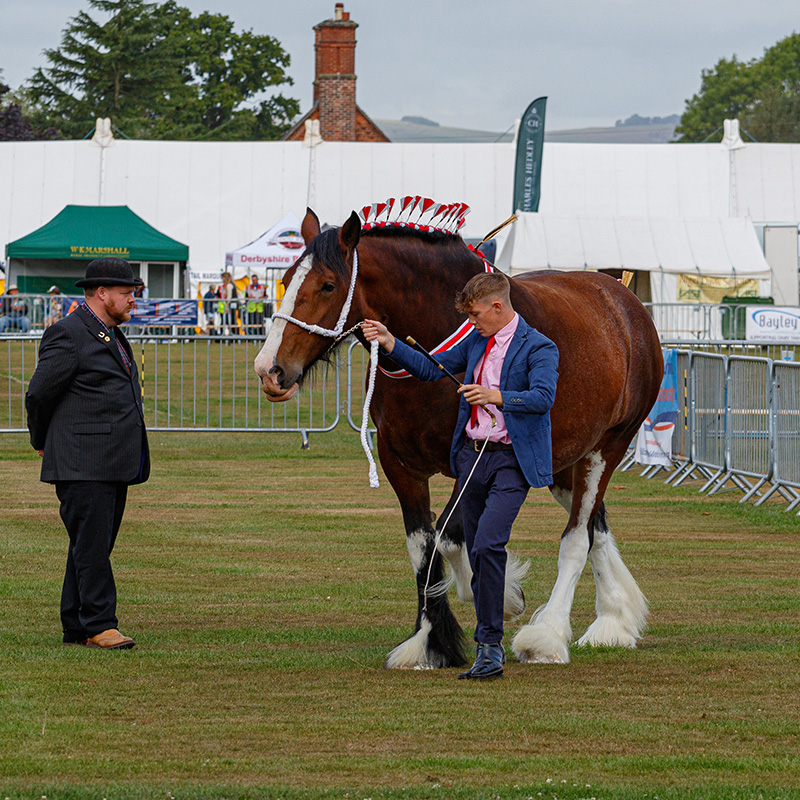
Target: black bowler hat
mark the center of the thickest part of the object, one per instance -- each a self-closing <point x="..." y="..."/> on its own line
<point x="109" y="272"/>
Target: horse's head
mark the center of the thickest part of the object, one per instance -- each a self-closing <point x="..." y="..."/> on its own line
<point x="316" y="291"/>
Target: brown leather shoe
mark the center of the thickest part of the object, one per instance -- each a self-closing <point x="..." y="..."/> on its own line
<point x="111" y="639"/>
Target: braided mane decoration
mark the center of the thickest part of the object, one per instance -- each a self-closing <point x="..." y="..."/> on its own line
<point x="415" y="212"/>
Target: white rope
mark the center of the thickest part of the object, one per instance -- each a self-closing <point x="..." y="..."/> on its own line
<point x="373" y="369"/>
<point x="336" y="334"/>
<point x="333" y="332"/>
<point x="438" y="537"/>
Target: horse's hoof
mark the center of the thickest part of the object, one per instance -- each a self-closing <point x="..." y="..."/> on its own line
<point x="414" y="653"/>
<point x="539" y="644"/>
<point x="604" y="632"/>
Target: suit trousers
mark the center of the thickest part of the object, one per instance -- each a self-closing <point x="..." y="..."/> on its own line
<point x="493" y="497"/>
<point x="92" y="513"/>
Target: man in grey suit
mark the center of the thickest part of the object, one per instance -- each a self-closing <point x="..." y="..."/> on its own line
<point x="86" y="420"/>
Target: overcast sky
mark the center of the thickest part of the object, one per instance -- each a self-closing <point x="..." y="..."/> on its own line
<point x="474" y="64"/>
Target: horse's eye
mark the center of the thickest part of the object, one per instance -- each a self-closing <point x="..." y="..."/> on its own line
<point x="328" y="287"/>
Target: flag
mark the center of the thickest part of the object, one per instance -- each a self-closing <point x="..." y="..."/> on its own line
<point x="528" y="162"/>
<point x="654" y="443"/>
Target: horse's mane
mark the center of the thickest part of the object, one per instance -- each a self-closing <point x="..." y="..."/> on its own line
<point x="401" y="231"/>
<point x="324" y="249"/>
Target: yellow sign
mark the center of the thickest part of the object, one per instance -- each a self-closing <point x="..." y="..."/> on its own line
<point x="703" y="289"/>
<point x="79" y="251"/>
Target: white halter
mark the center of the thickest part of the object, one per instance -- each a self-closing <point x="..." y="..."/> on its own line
<point x="333" y="332"/>
<point x="337" y="334"/>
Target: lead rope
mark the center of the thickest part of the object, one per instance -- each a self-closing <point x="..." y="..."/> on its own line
<point x="438" y="537"/>
<point x="373" y="369"/>
<point x="338" y="334"/>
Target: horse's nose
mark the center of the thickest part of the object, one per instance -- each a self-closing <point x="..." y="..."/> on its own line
<point x="276" y="372"/>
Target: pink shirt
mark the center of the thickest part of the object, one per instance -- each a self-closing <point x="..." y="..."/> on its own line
<point x="491" y="380"/>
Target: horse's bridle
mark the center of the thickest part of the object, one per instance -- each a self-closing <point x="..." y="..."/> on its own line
<point x="337" y="334"/>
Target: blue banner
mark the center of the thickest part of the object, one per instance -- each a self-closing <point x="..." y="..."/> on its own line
<point x="654" y="445"/>
<point x="164" y="312"/>
<point x="149" y="312"/>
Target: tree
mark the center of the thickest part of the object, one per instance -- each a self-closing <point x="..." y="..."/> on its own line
<point x="14" y="124"/>
<point x="160" y="73"/>
<point x="763" y="94"/>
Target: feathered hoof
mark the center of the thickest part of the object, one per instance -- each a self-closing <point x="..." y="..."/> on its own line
<point x="540" y="644"/>
<point x="414" y="652"/>
<point x="608" y="631"/>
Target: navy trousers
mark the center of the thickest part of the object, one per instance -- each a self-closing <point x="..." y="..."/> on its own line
<point x="92" y="513"/>
<point x="494" y="495"/>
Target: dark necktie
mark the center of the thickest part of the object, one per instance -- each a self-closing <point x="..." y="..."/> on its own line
<point x="473" y="414"/>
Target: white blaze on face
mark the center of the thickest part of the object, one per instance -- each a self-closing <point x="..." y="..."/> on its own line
<point x="266" y="358"/>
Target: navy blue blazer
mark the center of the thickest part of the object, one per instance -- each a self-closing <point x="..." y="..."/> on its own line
<point x="528" y="385"/>
<point x="85" y="408"/>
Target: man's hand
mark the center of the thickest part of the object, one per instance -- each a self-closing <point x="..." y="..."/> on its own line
<point x="372" y="329"/>
<point x="41" y="453"/>
<point x="477" y="395"/>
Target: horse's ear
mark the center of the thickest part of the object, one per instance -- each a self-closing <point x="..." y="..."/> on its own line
<point x="350" y="232"/>
<point x="310" y="227"/>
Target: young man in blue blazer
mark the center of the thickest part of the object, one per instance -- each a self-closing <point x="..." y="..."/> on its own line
<point x="513" y="372"/>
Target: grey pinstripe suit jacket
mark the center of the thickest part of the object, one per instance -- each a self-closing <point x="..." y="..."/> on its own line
<point x="84" y="408"/>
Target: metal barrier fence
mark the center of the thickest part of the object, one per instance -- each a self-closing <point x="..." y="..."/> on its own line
<point x="738" y="420"/>
<point x="197" y="383"/>
<point x="720" y="325"/>
<point x="741" y="418"/>
<point x="241" y="316"/>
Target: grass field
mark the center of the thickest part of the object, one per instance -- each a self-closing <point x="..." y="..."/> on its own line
<point x="265" y="585"/>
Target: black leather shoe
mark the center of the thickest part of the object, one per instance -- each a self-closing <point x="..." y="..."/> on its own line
<point x="488" y="663"/>
<point x="478" y="656"/>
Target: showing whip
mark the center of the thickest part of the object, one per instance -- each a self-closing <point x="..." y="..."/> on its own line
<point x="494" y="231"/>
<point x="414" y="343"/>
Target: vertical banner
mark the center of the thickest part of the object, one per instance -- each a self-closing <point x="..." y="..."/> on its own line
<point x="654" y="444"/>
<point x="528" y="162"/>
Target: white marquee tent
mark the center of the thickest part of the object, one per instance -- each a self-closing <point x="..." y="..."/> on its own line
<point x="720" y="248"/>
<point x="210" y="194"/>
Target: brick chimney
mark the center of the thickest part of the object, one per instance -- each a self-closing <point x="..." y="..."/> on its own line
<point x="340" y="119"/>
<point x="335" y="81"/>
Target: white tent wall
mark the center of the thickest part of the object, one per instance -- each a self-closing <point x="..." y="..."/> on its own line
<point x="668" y="247"/>
<point x="766" y="178"/>
<point x="635" y="180"/>
<point x="215" y="195"/>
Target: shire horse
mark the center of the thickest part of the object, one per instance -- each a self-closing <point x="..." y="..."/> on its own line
<point x="609" y="375"/>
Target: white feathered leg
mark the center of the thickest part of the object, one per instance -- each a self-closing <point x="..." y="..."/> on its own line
<point x="546" y="638"/>
<point x="621" y="606"/>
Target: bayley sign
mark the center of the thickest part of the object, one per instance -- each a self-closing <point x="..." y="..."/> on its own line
<point x="773" y="324"/>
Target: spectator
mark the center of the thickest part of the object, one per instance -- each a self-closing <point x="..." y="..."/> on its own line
<point x="14" y="311"/>
<point x="86" y="421"/>
<point x="141" y="292"/>
<point x="55" y="308"/>
<point x="255" y="294"/>
<point x="209" y="309"/>
<point x="229" y="305"/>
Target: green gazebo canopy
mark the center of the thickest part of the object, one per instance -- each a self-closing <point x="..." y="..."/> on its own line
<point x="88" y="232"/>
